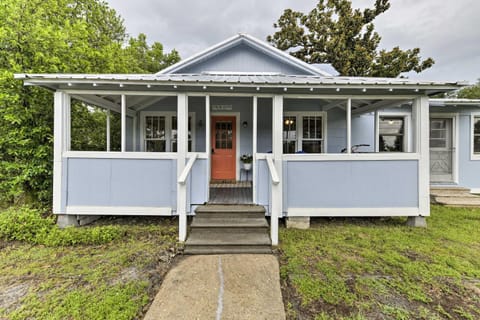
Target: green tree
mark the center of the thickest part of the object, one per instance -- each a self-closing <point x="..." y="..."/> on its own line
<point x="335" y="33"/>
<point x="145" y="58"/>
<point x="471" y="92"/>
<point x="53" y="36"/>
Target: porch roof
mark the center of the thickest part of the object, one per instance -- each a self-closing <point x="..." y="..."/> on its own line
<point x="454" y="102"/>
<point x="271" y="83"/>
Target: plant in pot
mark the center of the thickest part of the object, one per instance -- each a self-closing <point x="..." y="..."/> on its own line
<point x="246" y="161"/>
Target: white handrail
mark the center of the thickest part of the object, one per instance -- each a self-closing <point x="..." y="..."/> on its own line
<point x="183" y="177"/>
<point x="273" y="171"/>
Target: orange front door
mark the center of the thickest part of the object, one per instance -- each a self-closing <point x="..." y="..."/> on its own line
<point x="223" y="148"/>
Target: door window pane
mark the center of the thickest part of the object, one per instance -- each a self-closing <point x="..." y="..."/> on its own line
<point x="438" y="133"/>
<point x="223" y="135"/>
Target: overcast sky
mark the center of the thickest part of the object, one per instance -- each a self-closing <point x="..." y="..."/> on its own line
<point x="448" y="31"/>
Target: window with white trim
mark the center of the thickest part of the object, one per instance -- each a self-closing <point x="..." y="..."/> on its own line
<point x="476" y="135"/>
<point x="391" y="134"/>
<point x="160" y="132"/>
<point x="303" y="133"/>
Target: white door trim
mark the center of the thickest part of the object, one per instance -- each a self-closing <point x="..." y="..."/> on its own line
<point x="237" y="132"/>
<point x="455" y="125"/>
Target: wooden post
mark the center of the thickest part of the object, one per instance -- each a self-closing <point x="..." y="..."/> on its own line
<point x="207" y="142"/>
<point x="254" y="149"/>
<point x="108" y="129"/>
<point x="277" y="189"/>
<point x="422" y="122"/>
<point x="182" y="149"/>
<point x="124" y="123"/>
<point x="349" y="125"/>
<point x="61" y="137"/>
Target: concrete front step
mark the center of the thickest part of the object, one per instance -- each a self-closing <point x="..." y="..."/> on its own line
<point x="450" y="192"/>
<point x="233" y="222"/>
<point x="470" y="201"/>
<point x="205" y="249"/>
<point x="230" y="211"/>
<point x="228" y="238"/>
<point x="217" y="229"/>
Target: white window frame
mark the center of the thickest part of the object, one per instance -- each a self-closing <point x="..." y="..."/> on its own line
<point x="168" y="128"/>
<point x="299" y="127"/>
<point x="407" y="141"/>
<point x="473" y="156"/>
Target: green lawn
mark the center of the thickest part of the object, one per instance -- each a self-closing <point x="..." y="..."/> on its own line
<point x="115" y="280"/>
<point x="381" y="269"/>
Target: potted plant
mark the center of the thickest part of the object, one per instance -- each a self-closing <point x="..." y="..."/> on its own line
<point x="246" y="161"/>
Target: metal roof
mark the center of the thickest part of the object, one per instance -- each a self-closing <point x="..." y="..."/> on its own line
<point x="232" y="79"/>
<point x="455" y="102"/>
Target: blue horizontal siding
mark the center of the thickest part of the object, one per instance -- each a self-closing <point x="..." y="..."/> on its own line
<point x="351" y="184"/>
<point x="122" y="182"/>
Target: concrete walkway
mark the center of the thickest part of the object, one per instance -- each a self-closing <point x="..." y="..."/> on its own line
<point x="220" y="287"/>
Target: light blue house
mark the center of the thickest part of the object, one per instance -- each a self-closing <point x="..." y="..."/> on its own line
<point x="187" y="126"/>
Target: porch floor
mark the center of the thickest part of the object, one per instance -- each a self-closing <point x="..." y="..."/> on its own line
<point x="239" y="192"/>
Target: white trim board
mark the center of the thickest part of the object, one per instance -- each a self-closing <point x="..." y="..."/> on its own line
<point x="121" y="155"/>
<point x="353" y="212"/>
<point x="119" y="211"/>
<point x="383" y="156"/>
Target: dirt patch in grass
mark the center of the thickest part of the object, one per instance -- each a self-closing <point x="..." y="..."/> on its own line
<point x="117" y="280"/>
<point x="381" y="269"/>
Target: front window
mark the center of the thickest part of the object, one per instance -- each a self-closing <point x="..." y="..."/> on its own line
<point x="303" y="133"/>
<point x="476" y="134"/>
<point x="160" y="133"/>
<point x="155" y="138"/>
<point x="391" y="134"/>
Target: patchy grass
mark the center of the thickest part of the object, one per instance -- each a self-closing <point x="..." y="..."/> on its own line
<point x="114" y="280"/>
<point x="381" y="269"/>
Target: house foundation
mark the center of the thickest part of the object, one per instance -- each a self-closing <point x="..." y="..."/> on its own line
<point x="419" y="222"/>
<point x="298" y="222"/>
<point x="68" y="220"/>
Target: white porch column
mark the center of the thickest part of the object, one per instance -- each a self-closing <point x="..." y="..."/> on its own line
<point x="422" y="123"/>
<point x="254" y="149"/>
<point x="108" y="129"/>
<point x="277" y="150"/>
<point x="134" y="138"/>
<point x="349" y="125"/>
<point x="207" y="142"/>
<point x="124" y="123"/>
<point x="61" y="143"/>
<point x="182" y="149"/>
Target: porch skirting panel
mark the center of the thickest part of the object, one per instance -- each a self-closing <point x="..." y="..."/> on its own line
<point x="351" y="188"/>
<point x="121" y="183"/>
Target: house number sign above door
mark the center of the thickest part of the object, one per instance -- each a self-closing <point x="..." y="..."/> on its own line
<point x="221" y="107"/>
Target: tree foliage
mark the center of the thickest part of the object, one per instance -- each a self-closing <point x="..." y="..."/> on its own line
<point x="471" y="92"/>
<point x="335" y="33"/>
<point x="56" y="36"/>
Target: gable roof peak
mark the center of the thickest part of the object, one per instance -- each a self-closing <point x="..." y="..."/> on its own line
<point x="252" y="42"/>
